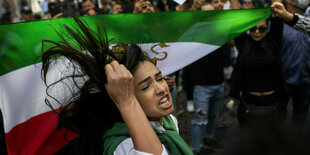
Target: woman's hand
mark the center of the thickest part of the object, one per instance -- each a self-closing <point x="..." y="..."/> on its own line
<point x="278" y="10"/>
<point x="120" y="84"/>
<point x="120" y="87"/>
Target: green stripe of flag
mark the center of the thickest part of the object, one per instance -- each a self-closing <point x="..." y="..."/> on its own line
<point x="20" y="43"/>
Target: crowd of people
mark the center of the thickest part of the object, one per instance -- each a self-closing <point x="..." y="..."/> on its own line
<point x="67" y="8"/>
<point x="271" y="68"/>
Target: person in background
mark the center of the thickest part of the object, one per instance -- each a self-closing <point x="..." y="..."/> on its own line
<point x="57" y="9"/>
<point x="296" y="68"/>
<point x="187" y="86"/>
<point x="106" y="6"/>
<point x="117" y="8"/>
<point x="89" y="9"/>
<point x="143" y="6"/>
<point x="247" y="4"/>
<point x="183" y="7"/>
<point x="297" y="21"/>
<point x="171" y="80"/>
<point x="6" y="6"/>
<point x="26" y="14"/>
<point x="207" y="75"/>
<point x="44" y="6"/>
<point x="127" y="5"/>
<point x="217" y="4"/>
<point x="197" y="5"/>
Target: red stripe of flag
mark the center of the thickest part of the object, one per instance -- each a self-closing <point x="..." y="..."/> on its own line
<point x="38" y="135"/>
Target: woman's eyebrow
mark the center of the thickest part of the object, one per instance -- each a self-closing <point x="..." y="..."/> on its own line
<point x="146" y="79"/>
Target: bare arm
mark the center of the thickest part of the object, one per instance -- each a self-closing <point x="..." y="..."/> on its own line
<point x="278" y="10"/>
<point x="120" y="87"/>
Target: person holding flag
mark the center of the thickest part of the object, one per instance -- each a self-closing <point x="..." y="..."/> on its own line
<point x="257" y="80"/>
<point x="297" y="21"/>
<point x="123" y="105"/>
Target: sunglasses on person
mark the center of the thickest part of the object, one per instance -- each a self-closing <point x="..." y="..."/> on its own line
<point x="261" y="29"/>
<point x="247" y="2"/>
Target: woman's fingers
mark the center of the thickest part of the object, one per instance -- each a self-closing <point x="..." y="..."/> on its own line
<point x="125" y="72"/>
<point x="108" y="71"/>
<point x="115" y="66"/>
<point x="120" y="84"/>
<point x="116" y="72"/>
<point x="278" y="10"/>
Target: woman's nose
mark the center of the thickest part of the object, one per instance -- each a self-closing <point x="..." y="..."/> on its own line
<point x="160" y="88"/>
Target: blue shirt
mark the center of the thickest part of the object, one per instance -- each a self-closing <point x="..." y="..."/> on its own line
<point x="295" y="56"/>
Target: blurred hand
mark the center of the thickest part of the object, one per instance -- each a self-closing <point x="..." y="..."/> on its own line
<point x="120" y="84"/>
<point x="170" y="81"/>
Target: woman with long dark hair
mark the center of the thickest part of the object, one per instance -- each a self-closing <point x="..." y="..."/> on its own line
<point x="119" y="104"/>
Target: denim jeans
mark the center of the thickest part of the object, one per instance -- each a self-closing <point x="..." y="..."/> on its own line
<point x="206" y="102"/>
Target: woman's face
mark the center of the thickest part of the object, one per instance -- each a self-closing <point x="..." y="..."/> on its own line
<point x="152" y="91"/>
<point x="258" y="32"/>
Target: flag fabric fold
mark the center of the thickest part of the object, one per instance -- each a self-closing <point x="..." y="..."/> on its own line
<point x="174" y="39"/>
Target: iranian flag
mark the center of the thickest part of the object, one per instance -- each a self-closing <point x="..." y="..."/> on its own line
<point x="175" y="39"/>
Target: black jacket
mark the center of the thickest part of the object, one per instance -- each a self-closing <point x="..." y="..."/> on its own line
<point x="271" y="44"/>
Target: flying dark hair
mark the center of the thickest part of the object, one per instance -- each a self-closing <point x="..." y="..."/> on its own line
<point x="88" y="111"/>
